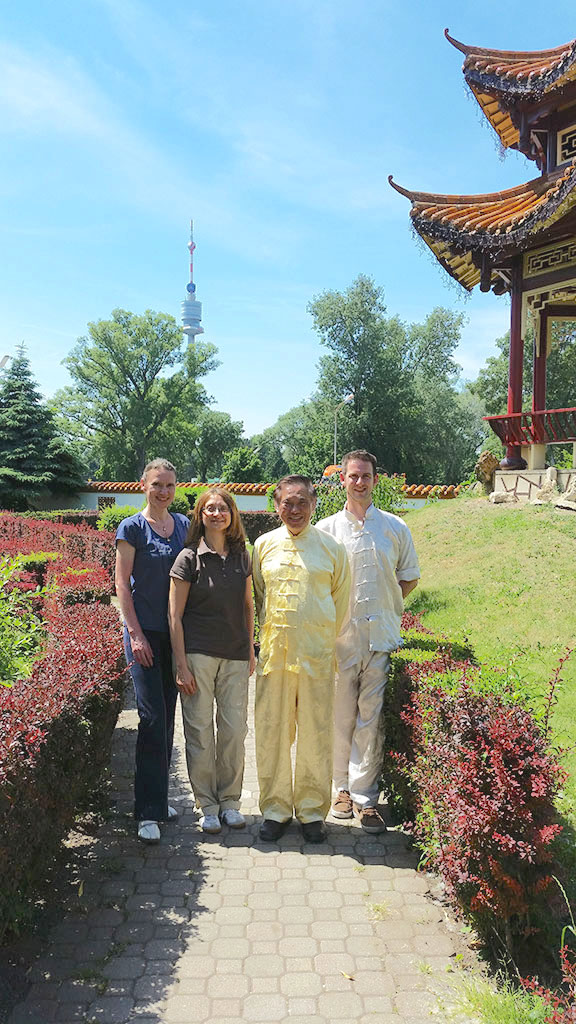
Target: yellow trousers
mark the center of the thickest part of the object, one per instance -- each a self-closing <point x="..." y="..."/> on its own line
<point x="290" y="704"/>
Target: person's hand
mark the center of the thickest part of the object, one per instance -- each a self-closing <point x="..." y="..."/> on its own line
<point x="141" y="650"/>
<point x="252" y="662"/>
<point x="185" y="681"/>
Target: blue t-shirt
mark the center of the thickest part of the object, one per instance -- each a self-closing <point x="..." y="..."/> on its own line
<point x="150" y="579"/>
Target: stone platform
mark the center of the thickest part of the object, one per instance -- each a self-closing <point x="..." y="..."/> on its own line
<point x="524" y="483"/>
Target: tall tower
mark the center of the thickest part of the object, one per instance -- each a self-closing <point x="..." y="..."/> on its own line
<point x="191" y="308"/>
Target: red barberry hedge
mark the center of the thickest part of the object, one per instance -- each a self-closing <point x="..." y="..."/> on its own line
<point x="470" y="766"/>
<point x="56" y="726"/>
<point x="19" y="535"/>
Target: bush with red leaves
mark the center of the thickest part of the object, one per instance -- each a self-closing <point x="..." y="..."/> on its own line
<point x="561" y="1003"/>
<point x="56" y="725"/>
<point x="482" y="782"/>
<point x="78" y="583"/>
<point x="19" y="535"/>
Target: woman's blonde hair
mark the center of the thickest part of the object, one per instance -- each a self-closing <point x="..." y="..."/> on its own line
<point x="235" y="534"/>
<point x="158" y="464"/>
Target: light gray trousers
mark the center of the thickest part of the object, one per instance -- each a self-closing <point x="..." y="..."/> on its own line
<point x="358" y="739"/>
<point x="216" y="762"/>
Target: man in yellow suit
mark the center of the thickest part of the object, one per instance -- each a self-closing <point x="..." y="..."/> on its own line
<point x="302" y="586"/>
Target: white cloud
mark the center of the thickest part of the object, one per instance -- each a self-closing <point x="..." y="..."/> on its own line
<point x="35" y="97"/>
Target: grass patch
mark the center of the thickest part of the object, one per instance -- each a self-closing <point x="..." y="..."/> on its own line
<point x="504" y="577"/>
<point x="505" y="1005"/>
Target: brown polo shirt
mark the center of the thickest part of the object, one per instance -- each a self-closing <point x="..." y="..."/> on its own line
<point x="214" y="619"/>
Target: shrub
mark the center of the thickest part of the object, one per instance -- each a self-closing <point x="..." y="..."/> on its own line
<point x="56" y="725"/>
<point x="560" y="1005"/>
<point x="184" y="500"/>
<point x="71" y="516"/>
<point x="259" y="522"/>
<point x="471" y="764"/>
<point x="20" y="535"/>
<point x="21" y="632"/>
<point x="78" y="583"/>
<point x="111" y="517"/>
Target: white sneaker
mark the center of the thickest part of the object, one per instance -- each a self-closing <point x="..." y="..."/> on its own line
<point x="172" y="813"/>
<point x="210" y="823"/>
<point x="148" y="832"/>
<point x="233" y="818"/>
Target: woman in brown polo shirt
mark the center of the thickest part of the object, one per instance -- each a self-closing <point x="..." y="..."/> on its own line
<point x="211" y="617"/>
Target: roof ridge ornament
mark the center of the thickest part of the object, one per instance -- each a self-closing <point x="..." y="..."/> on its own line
<point x="458" y="45"/>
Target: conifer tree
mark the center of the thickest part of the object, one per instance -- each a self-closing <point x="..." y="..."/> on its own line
<point x="32" y="457"/>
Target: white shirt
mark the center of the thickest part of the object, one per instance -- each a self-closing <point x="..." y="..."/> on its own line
<point x="381" y="553"/>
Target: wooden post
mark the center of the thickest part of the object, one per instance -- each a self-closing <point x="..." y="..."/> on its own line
<point x="540" y="346"/>
<point x="513" y="459"/>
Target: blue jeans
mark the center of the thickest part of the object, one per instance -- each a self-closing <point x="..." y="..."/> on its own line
<point x="156" y="695"/>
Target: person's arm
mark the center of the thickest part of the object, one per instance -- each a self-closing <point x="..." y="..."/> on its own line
<point x="407" y="570"/>
<point x="178" y="596"/>
<point x="258" y="581"/>
<point x="141" y="649"/>
<point x="249" y="613"/>
<point x="407" y="586"/>
<point x="341" y="587"/>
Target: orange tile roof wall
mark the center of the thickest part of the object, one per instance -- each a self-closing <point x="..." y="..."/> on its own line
<point x="129" y="487"/>
<point x="410" y="490"/>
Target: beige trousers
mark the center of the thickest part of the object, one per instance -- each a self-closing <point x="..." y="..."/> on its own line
<point x="286" y="701"/>
<point x="216" y="763"/>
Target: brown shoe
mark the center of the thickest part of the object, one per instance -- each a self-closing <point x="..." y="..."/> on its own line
<point x="342" y="806"/>
<point x="370" y="818"/>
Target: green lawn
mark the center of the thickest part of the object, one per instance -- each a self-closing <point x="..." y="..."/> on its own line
<point x="506" y="577"/>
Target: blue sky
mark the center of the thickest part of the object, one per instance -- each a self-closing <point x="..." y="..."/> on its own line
<point x="274" y="124"/>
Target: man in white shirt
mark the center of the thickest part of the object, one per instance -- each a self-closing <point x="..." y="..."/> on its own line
<point x="384" y="570"/>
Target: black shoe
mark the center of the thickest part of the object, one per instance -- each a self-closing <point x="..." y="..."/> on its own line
<point x="271" y="830"/>
<point x="313" y="831"/>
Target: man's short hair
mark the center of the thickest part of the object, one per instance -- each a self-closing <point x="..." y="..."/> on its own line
<point x="362" y="455"/>
<point x="295" y="478"/>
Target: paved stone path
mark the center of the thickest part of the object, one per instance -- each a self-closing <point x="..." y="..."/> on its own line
<point x="225" y="928"/>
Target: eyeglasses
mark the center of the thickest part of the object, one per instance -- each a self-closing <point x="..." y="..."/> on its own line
<point x="214" y="510"/>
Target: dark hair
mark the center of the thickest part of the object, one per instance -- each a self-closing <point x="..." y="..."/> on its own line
<point x="294" y="478"/>
<point x="362" y="456"/>
<point x="235" y="534"/>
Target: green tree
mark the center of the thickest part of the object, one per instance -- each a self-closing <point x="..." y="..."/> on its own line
<point x="34" y="460"/>
<point x="136" y="391"/>
<point x="242" y="465"/>
<point x="491" y="385"/>
<point x="405" y="384"/>
<point x="217" y="434"/>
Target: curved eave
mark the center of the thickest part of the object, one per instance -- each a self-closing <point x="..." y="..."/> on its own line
<point x="457" y="228"/>
<point x="501" y="77"/>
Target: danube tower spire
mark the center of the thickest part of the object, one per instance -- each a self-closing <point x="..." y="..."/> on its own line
<point x="191" y="309"/>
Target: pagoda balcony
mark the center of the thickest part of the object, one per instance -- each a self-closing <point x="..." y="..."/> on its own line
<point x="546" y="426"/>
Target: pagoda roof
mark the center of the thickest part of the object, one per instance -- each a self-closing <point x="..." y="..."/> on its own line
<point x="457" y="228"/>
<point x="501" y="79"/>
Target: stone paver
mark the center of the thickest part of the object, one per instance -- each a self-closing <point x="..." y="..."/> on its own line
<point x="224" y="928"/>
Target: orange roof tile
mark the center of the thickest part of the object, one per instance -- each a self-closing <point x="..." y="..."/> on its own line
<point x="430" y="490"/>
<point x="131" y="486"/>
<point x="456" y="227"/>
<point x="498" y="77"/>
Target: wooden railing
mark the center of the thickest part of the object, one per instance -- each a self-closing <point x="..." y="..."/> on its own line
<point x="547" y="426"/>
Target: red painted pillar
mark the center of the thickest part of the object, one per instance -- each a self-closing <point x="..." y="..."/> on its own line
<point x="512" y="459"/>
<point x="540" y="341"/>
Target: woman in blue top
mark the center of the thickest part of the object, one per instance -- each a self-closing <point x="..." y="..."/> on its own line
<point x="146" y="546"/>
